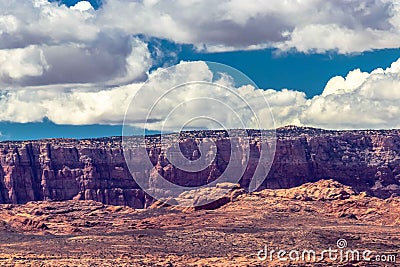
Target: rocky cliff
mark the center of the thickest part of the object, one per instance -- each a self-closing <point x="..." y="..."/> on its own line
<point x="63" y="169"/>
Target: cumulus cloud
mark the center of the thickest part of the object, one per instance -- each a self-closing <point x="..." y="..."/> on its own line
<point x="326" y="37"/>
<point x="82" y="6"/>
<point x="191" y="95"/>
<point x="47" y="43"/>
<point x="87" y="105"/>
<point x="42" y="43"/>
<point x="38" y="22"/>
<point x="81" y="66"/>
<point x="22" y="62"/>
<point x="63" y="106"/>
<point x="358" y="101"/>
<point x="308" y="26"/>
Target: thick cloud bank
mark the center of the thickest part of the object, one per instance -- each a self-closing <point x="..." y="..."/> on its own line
<point x="82" y="66"/>
<point x="359" y="100"/>
<point x="42" y="43"/>
<point x="309" y="25"/>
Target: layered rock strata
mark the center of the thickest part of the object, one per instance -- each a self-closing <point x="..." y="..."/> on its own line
<point x="65" y="169"/>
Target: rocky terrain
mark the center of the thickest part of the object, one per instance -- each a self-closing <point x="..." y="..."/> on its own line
<point x="313" y="216"/>
<point x="74" y="202"/>
<point x="66" y="169"/>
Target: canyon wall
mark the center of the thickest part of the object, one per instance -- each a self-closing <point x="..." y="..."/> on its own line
<point x="63" y="169"/>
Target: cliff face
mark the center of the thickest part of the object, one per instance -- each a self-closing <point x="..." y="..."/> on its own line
<point x="96" y="169"/>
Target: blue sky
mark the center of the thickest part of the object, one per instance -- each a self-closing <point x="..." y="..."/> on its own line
<point x="53" y="68"/>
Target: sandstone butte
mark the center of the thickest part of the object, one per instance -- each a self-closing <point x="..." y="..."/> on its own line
<point x="66" y="169"/>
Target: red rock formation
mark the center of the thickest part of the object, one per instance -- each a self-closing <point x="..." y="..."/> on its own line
<point x="96" y="169"/>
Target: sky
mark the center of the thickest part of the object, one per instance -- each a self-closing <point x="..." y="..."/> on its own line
<point x="71" y="68"/>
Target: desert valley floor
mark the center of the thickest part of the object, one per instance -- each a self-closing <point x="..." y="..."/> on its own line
<point x="312" y="216"/>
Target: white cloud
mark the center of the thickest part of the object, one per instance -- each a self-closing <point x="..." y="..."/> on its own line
<point x="311" y="25"/>
<point x="325" y="37"/>
<point x="82" y="6"/>
<point x="43" y="43"/>
<point x="359" y="100"/>
<point x="22" y="62"/>
<point x="80" y="66"/>
<point x="79" y="105"/>
<point x="65" y="106"/>
<point x="30" y="22"/>
<point x="49" y="44"/>
<point x="108" y="60"/>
